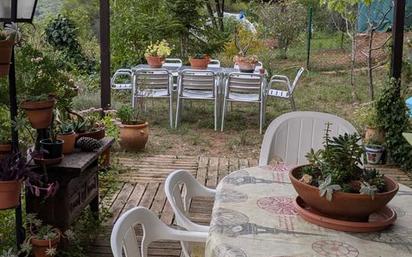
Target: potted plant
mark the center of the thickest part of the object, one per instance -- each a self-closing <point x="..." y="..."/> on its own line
<point x="43" y="239"/>
<point x="134" y="133"/>
<point x="199" y="61"/>
<point x="336" y="184"/>
<point x="156" y="53"/>
<point x="366" y="117"/>
<point x="89" y="126"/>
<point x="244" y="40"/>
<point x="67" y="135"/>
<point x="8" y="37"/>
<point x="374" y="151"/>
<point x="13" y="171"/>
<point x="5" y="131"/>
<point x="42" y="83"/>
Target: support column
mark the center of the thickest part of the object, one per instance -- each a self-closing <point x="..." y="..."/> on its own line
<point x="397" y="36"/>
<point x="105" y="54"/>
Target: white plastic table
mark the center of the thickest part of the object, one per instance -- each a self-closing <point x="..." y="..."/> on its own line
<point x="254" y="216"/>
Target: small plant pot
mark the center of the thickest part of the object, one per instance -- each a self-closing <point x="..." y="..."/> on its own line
<point x="39" y="113"/>
<point x="154" y="61"/>
<point x="374" y="153"/>
<point x="246" y="67"/>
<point x="9" y="194"/>
<point x="6" y="47"/>
<point x="97" y="134"/>
<point x="134" y="137"/>
<point x="374" y="134"/>
<point x="199" y="64"/>
<point x="40" y="246"/>
<point x="69" y="140"/>
<point x="5" y="149"/>
<point x="50" y="149"/>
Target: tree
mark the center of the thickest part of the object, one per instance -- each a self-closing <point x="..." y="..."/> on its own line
<point x="283" y="21"/>
<point x="216" y="13"/>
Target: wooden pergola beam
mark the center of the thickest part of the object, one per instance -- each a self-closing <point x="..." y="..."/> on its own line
<point x="397" y="35"/>
<point x="105" y="54"/>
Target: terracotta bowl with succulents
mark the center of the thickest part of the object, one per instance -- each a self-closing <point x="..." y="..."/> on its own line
<point x="336" y="183"/>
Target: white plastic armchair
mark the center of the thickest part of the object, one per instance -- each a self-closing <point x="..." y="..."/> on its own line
<point x="124" y="242"/>
<point x="181" y="204"/>
<point x="291" y="136"/>
<point x="290" y="88"/>
<point x="128" y="73"/>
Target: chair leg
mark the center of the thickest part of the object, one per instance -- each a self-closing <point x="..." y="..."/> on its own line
<point x="216" y="106"/>
<point x="186" y="249"/>
<point x="261" y="117"/>
<point x="178" y="109"/>
<point x="171" y="111"/>
<point x="292" y="103"/>
<point x="223" y="115"/>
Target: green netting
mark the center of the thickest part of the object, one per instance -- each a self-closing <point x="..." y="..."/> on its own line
<point x="377" y="10"/>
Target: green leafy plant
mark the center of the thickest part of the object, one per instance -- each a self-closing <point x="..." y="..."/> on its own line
<point x="5" y="125"/>
<point x="128" y="115"/>
<point x="394" y="120"/>
<point x="338" y="167"/>
<point x="9" y="253"/>
<point x="367" y="116"/>
<point x="158" y="49"/>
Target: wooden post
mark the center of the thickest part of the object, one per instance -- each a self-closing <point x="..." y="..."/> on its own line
<point x="397" y="35"/>
<point x="105" y="54"/>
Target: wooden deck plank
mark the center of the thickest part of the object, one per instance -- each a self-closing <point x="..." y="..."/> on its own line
<point x="212" y="173"/>
<point x="119" y="203"/>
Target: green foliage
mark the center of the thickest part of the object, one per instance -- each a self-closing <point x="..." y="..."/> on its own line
<point x="367" y="116"/>
<point x="283" y="22"/>
<point x="112" y="130"/>
<point x="128" y="115"/>
<point x="338" y="167"/>
<point x="39" y="76"/>
<point x="5" y="125"/>
<point x="394" y="120"/>
<point x="61" y="34"/>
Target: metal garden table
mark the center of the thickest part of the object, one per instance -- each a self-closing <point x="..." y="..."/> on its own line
<point x="254" y="216"/>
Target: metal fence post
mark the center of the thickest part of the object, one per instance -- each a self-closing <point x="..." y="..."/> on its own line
<point x="309" y="33"/>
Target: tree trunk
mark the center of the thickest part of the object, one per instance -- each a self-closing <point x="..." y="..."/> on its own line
<point x="352" y="68"/>
<point x="370" y="67"/>
<point x="211" y="14"/>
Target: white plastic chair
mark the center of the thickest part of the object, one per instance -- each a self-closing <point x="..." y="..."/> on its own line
<point x="291" y="136"/>
<point x="153" y="83"/>
<point x="214" y="63"/>
<point x="181" y="203"/>
<point x="197" y="85"/>
<point x="247" y="88"/>
<point x="123" y="238"/>
<point x="128" y="85"/>
<point x="285" y="94"/>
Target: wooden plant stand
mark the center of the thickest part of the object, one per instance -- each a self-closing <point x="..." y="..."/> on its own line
<point x="78" y="180"/>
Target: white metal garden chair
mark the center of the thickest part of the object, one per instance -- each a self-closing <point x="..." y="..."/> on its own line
<point x="172" y="62"/>
<point x="124" y="242"/>
<point x="197" y="85"/>
<point x="153" y="83"/>
<point x="126" y="82"/>
<point x="246" y="88"/>
<point x="290" y="88"/>
<point x="214" y="63"/>
<point x="181" y="203"/>
<point x="291" y="136"/>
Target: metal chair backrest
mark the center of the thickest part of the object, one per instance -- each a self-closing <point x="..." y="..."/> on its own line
<point x="295" y="81"/>
<point x="259" y="65"/>
<point x="198" y="80"/>
<point x="125" y="85"/>
<point x="214" y="63"/>
<point x="291" y="136"/>
<point x="149" y="79"/>
<point x="245" y="83"/>
<point x="172" y="62"/>
<point x="124" y="242"/>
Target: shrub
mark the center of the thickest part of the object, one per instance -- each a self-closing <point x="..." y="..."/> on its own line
<point x="394" y="120"/>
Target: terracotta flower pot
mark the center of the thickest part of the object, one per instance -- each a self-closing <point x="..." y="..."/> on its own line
<point x="374" y="134"/>
<point x="39" y="113"/>
<point x="9" y="194"/>
<point x="154" y="61"/>
<point x="5" y="56"/>
<point x="343" y="205"/>
<point x="134" y="137"/>
<point x="199" y="64"/>
<point x="245" y="66"/>
<point x="69" y="140"/>
<point x="5" y="149"/>
<point x="97" y="134"/>
<point x="40" y="246"/>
